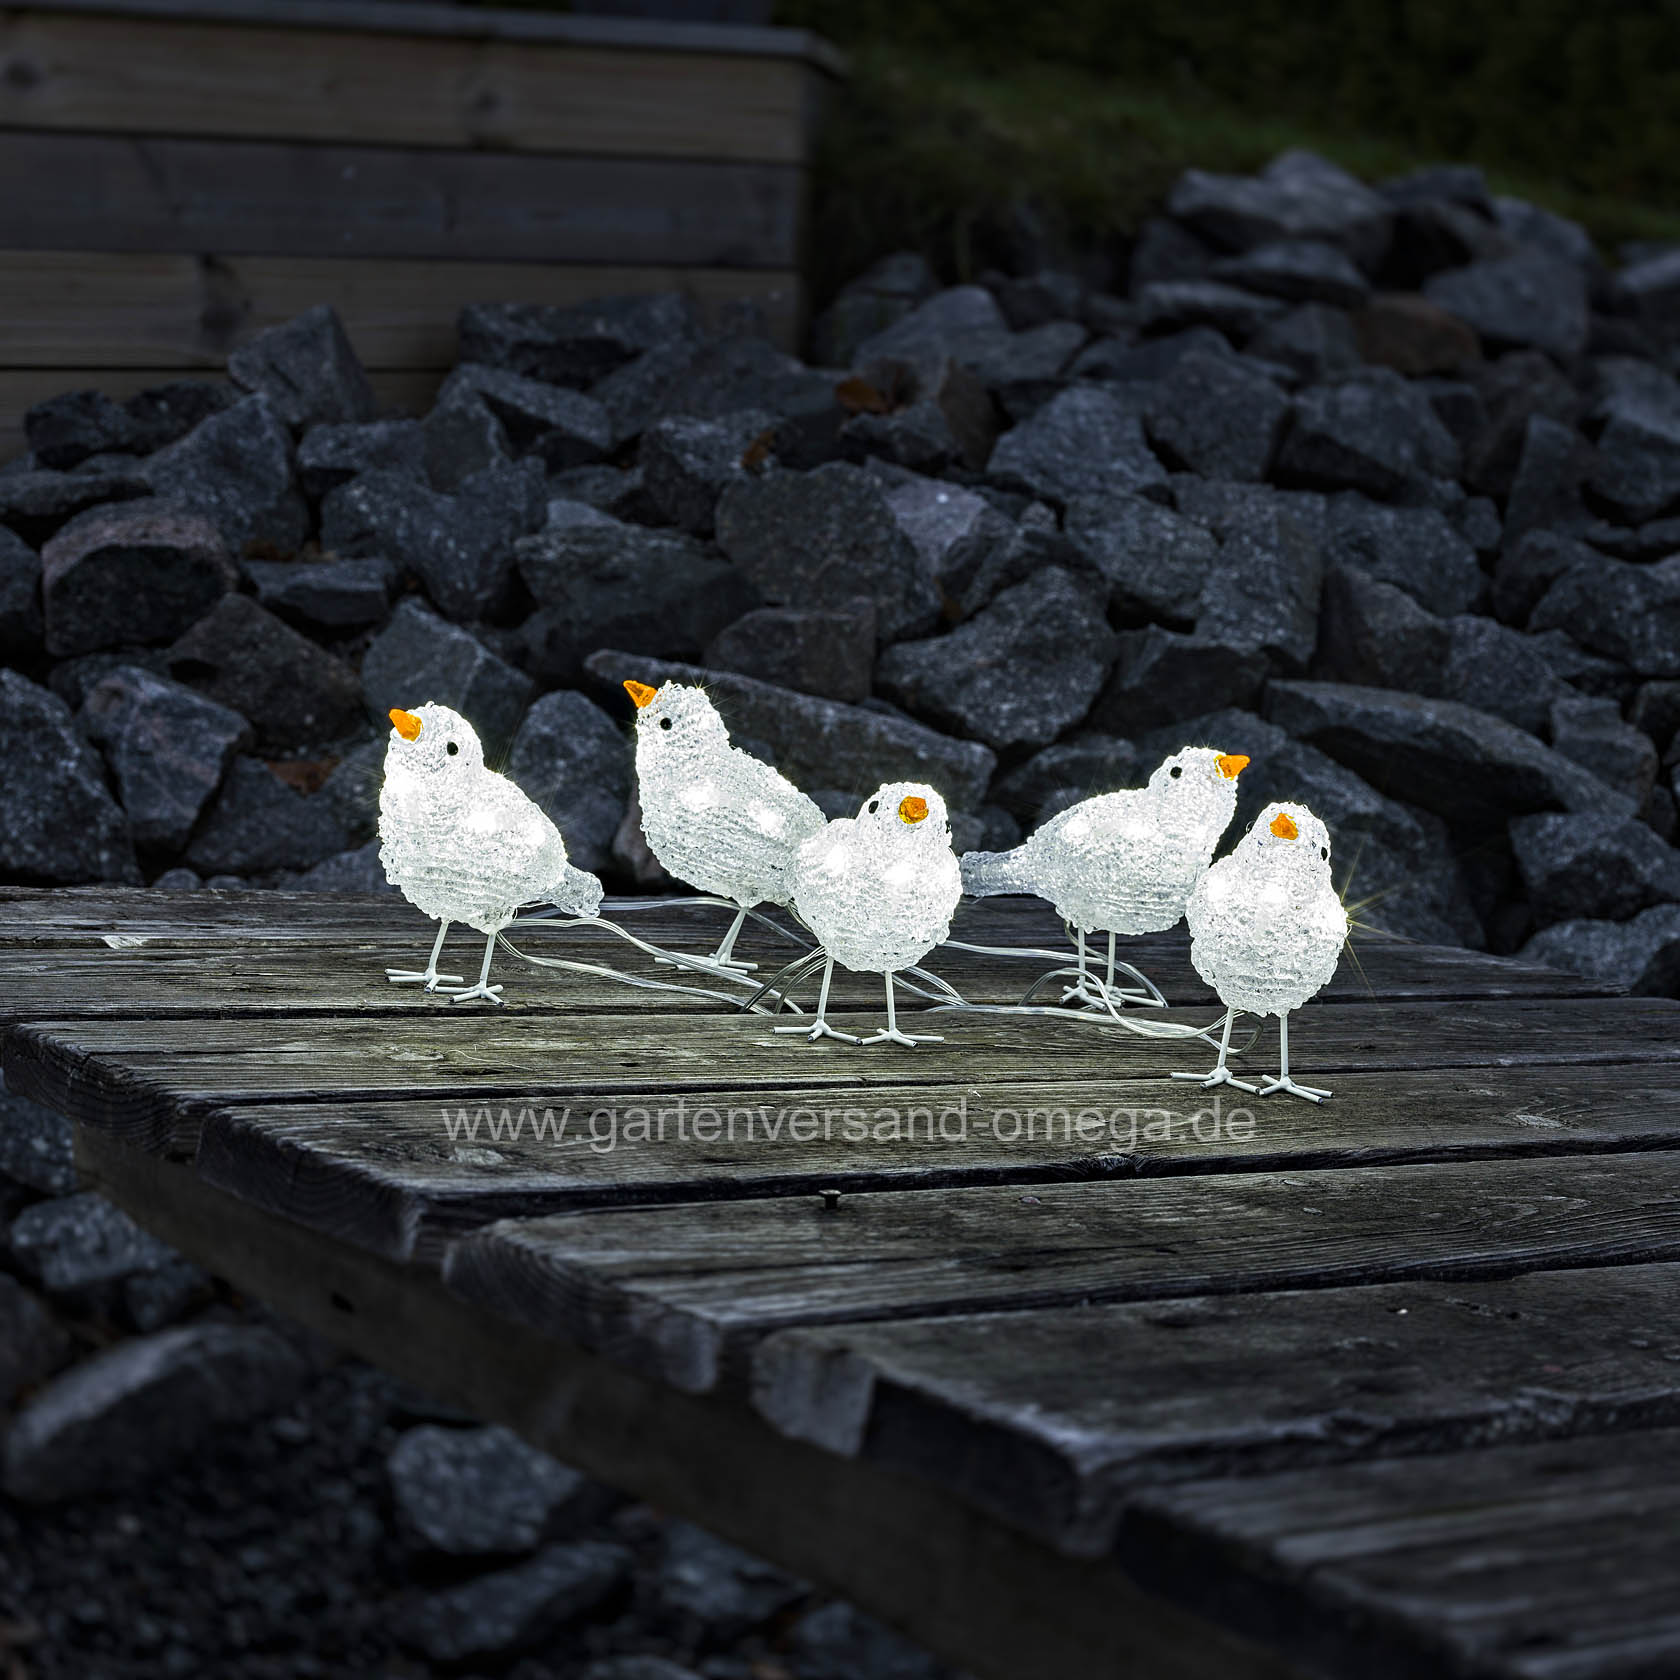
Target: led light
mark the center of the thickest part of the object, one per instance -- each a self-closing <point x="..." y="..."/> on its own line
<point x="714" y="816"/>
<point x="1123" y="862"/>
<point x="462" y="843"/>
<point x="1266" y="925"/>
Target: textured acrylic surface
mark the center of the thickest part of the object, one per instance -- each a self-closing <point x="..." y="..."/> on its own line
<point x="877" y="890"/>
<point x="1121" y="862"/>
<point x="1266" y="926"/>
<point x="461" y="842"/>
<point x="714" y="816"/>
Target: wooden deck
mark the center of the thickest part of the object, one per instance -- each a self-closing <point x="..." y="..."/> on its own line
<point x="989" y="1335"/>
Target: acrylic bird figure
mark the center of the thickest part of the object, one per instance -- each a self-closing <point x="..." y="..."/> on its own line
<point x="714" y="816"/>
<point x="1266" y="929"/>
<point x="878" y="890"/>
<point x="1121" y="863"/>
<point x="463" y="844"/>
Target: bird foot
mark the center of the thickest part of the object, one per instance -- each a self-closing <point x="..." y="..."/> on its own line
<point x="733" y="964"/>
<point x="490" y="994"/>
<point x="891" y="1035"/>
<point x="820" y="1029"/>
<point x="1219" y="1076"/>
<point x="1093" y="994"/>
<point x="427" y="977"/>
<point x="1282" y="1082"/>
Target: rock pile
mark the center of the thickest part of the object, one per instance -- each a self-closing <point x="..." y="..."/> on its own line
<point x="1380" y="485"/>
<point x="1374" y="484"/>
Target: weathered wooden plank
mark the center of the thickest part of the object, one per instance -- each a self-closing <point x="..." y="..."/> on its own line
<point x="988" y="1598"/>
<point x="85" y="313"/>
<point x="474" y="23"/>
<point x="685" y="1293"/>
<point x="409" y="390"/>
<point x="188" y="76"/>
<point x="83" y="976"/>
<point x="1378" y="969"/>
<point x="404" y="1178"/>
<point x="1053" y="1420"/>
<point x="152" y="1083"/>
<point x="1558" y="1561"/>
<point x="149" y="193"/>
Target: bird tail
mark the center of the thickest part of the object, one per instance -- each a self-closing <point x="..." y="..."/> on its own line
<point x="987" y="873"/>
<point x="577" y="892"/>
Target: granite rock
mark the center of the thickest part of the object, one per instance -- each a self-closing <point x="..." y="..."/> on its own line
<point x="142" y="1406"/>
<point x="575" y="762"/>
<point x="307" y="370"/>
<point x="136" y="572"/>
<point x="1020" y="672"/>
<point x="236" y="470"/>
<point x="823" y="539"/>
<point x="419" y="657"/>
<point x="58" y="822"/>
<point x="826" y="652"/>
<point x="820" y="743"/>
<point x="241" y="656"/>
<point x="259" y="823"/>
<point x="1592" y="865"/>
<point x="167" y="747"/>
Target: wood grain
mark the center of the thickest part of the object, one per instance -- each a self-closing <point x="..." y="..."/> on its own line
<point x="152" y="193"/>
<point x="1556" y="1561"/>
<point x="980" y="1593"/>
<point x="104" y="310"/>
<point x="404" y="1178"/>
<point x="1375" y="968"/>
<point x="152" y="1082"/>
<point x="1053" y="1420"/>
<point x="189" y="76"/>
<point x="474" y="23"/>
<point x="686" y="1293"/>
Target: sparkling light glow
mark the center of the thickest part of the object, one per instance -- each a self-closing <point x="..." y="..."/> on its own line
<point x="714" y="816"/>
<point x="879" y="889"/>
<point x="1123" y="862"/>
<point x="1266" y="926"/>
<point x="461" y="842"/>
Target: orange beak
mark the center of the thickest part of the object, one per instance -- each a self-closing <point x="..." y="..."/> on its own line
<point x="406" y="724"/>
<point x="639" y="692"/>
<point x="1283" y="826"/>
<point x="912" y="808"/>
<point x="1232" y="765"/>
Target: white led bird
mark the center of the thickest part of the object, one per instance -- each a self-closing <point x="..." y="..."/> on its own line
<point x="1266" y="930"/>
<point x="878" y="890"/>
<point x="463" y="844"/>
<point x="1121" y="862"/>
<point x="714" y="816"/>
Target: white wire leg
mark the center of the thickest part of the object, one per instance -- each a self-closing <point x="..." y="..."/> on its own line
<point x="1104" y="994"/>
<point x="1281" y="1081"/>
<point x="724" y="956"/>
<point x="427" y="976"/>
<point x="820" y="1027"/>
<point x="890" y="1033"/>
<point x="1080" y="991"/>
<point x="491" y="994"/>
<point x="1220" y="1074"/>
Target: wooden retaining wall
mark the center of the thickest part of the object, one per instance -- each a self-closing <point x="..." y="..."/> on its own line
<point x="176" y="174"/>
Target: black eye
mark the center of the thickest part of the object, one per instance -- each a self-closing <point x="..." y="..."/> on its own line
<point x="1324" y="851"/>
<point x="453" y="748"/>
<point x="874" y="804"/>
<point x="664" y="723"/>
<point x="1177" y="770"/>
